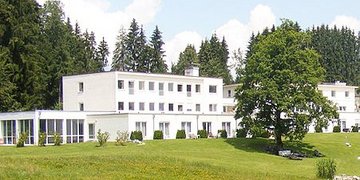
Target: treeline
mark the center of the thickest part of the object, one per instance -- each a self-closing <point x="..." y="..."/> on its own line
<point x="37" y="47"/>
<point x="339" y="50"/>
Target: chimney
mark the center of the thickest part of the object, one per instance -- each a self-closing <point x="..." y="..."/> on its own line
<point x="192" y="71"/>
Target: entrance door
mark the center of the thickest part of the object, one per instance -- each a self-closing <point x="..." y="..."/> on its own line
<point x="164" y="127"/>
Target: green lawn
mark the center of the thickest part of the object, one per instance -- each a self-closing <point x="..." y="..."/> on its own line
<point x="178" y="159"/>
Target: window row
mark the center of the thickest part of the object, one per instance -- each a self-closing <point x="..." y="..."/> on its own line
<point x="161" y="107"/>
<point x="333" y="93"/>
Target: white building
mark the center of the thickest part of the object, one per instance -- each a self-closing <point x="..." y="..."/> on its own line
<point x="129" y="101"/>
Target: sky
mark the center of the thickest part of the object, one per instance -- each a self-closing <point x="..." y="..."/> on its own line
<point x="184" y="22"/>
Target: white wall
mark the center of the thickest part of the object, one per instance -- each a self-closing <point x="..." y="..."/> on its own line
<point x="339" y="99"/>
<point x="108" y="123"/>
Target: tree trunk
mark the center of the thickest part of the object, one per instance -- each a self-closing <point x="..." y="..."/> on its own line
<point x="278" y="131"/>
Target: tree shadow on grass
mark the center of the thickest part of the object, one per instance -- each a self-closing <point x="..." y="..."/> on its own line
<point x="262" y="145"/>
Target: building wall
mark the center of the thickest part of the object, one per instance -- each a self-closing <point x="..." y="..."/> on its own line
<point x="98" y="92"/>
<point x="108" y="123"/>
<point x="336" y="92"/>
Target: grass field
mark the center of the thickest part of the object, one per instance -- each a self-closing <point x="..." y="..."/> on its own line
<point x="178" y="159"/>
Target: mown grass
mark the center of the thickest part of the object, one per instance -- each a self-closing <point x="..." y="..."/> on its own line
<point x="178" y="159"/>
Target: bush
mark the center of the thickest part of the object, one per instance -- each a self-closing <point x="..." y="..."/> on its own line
<point x="180" y="134"/>
<point x="202" y="133"/>
<point x="336" y="129"/>
<point x="158" y="134"/>
<point x="122" y="137"/>
<point x="355" y="129"/>
<point x="22" y="139"/>
<point x="326" y="168"/>
<point x="136" y="135"/>
<point x="265" y="133"/>
<point x="42" y="139"/>
<point x="241" y="133"/>
<point x="318" y="129"/>
<point x="57" y="139"/>
<point x="223" y="133"/>
<point x="102" y="137"/>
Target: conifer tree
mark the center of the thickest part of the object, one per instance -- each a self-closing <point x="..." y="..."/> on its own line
<point x="102" y="54"/>
<point x="157" y="63"/>
<point x="187" y="58"/>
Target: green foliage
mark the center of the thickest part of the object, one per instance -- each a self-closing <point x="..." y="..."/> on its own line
<point x="326" y="168"/>
<point x="202" y="133"/>
<point x="22" y="139"/>
<point x="241" y="133"/>
<point x="122" y="137"/>
<point x="180" y="134"/>
<point x="187" y="58"/>
<point x="57" y="139"/>
<point x="223" y="133"/>
<point x="281" y="77"/>
<point x="157" y="63"/>
<point x="42" y="139"/>
<point x="102" y="54"/>
<point x="318" y="129"/>
<point x="355" y="129"/>
<point x="102" y="137"/>
<point x="336" y="129"/>
<point x="136" y="135"/>
<point x="158" y="134"/>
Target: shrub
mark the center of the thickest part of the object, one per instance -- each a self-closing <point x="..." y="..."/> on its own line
<point x="22" y="139"/>
<point x="326" y="168"/>
<point x="102" y="137"/>
<point x="336" y="129"/>
<point x="42" y="139"/>
<point x="57" y="139"/>
<point x="122" y="137"/>
<point x="180" y="134"/>
<point x="158" y="134"/>
<point x="265" y="133"/>
<point x="355" y="129"/>
<point x="136" y="135"/>
<point x="223" y="133"/>
<point x="241" y="133"/>
<point x="202" y="133"/>
<point x="318" y="129"/>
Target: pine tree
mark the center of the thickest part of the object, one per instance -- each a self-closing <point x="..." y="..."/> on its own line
<point x="142" y="61"/>
<point x="102" y="54"/>
<point x="132" y="43"/>
<point x="119" y="54"/>
<point x="157" y="63"/>
<point x="187" y="58"/>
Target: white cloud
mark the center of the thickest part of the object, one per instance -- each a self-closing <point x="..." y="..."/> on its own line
<point x="179" y="43"/>
<point x="348" y="21"/>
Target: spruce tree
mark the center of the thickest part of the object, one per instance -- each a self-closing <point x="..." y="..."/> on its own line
<point x="120" y="53"/>
<point x="157" y="63"/>
<point x="102" y="54"/>
<point x="187" y="58"/>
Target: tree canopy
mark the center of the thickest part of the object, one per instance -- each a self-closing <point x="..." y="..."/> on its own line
<point x="278" y="89"/>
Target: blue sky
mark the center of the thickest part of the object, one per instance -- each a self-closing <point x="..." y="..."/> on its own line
<point x="190" y="21"/>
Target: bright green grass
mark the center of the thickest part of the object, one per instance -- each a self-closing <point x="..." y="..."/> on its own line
<point x="177" y="159"/>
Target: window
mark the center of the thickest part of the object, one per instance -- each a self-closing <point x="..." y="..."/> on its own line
<point x="120" y="106"/>
<point x="131" y="106"/>
<point x="74" y="130"/>
<point x="346" y="93"/>
<point x="141" y="85"/>
<point x="229" y="93"/>
<point x="164" y="127"/>
<point x="141" y="106"/>
<point x="179" y="87"/>
<point x="151" y="86"/>
<point x="161" y="89"/>
<point x="212" y="107"/>
<point x="50" y="127"/>
<point x="226" y="127"/>
<point x="161" y="106"/>
<point x="186" y="126"/>
<point x="81" y="106"/>
<point x="197" y="88"/>
<point x="332" y="93"/>
<point x="81" y="87"/>
<point x="120" y="84"/>
<point x="197" y="107"/>
<point x="170" y="86"/>
<point x="91" y="131"/>
<point x="180" y="107"/>
<point x="188" y="90"/>
<point x="171" y="107"/>
<point x="141" y="126"/>
<point x="212" y="89"/>
<point x="342" y="108"/>
<point x="27" y="126"/>
<point x="9" y="131"/>
<point x="151" y="106"/>
<point x="131" y="87"/>
<point x="207" y="127"/>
